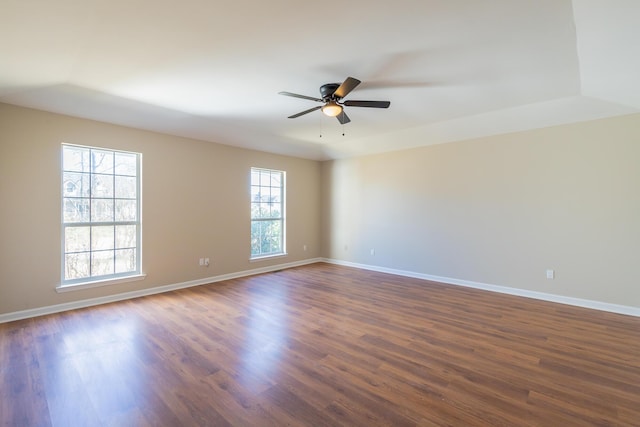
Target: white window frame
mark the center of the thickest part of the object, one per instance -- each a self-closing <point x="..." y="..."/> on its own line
<point x="93" y="280"/>
<point x="263" y="191"/>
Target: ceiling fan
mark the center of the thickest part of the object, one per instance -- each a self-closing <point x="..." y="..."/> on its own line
<point x="332" y="94"/>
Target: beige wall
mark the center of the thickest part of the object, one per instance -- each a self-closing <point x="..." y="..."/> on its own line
<point x="195" y="204"/>
<point x="499" y="210"/>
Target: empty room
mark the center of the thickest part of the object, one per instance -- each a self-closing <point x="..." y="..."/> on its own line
<point x="410" y="213"/>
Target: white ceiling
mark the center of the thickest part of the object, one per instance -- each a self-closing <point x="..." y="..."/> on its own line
<point x="212" y="70"/>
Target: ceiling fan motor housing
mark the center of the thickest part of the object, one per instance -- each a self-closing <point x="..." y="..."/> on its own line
<point x="327" y="90"/>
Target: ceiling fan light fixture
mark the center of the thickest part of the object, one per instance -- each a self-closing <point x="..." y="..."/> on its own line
<point x="332" y="109"/>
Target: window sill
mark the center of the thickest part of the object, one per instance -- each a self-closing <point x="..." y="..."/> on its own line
<point x="98" y="283"/>
<point x="267" y="257"/>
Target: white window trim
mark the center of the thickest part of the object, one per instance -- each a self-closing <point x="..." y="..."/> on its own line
<point x="267" y="257"/>
<point x="263" y="257"/>
<point x="60" y="288"/>
<point x="87" y="283"/>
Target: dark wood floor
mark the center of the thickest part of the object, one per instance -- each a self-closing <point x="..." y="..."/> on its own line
<point x="322" y="345"/>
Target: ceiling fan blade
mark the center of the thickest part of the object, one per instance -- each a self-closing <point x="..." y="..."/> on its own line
<point x="370" y="104"/>
<point x="347" y="86"/>
<point x="295" y="95"/>
<point x="343" y="118"/>
<point x="305" y="112"/>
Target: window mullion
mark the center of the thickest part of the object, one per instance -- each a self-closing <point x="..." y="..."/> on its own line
<point x="91" y="179"/>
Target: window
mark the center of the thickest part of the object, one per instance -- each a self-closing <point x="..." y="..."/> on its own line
<point x="267" y="213"/>
<point x="100" y="214"/>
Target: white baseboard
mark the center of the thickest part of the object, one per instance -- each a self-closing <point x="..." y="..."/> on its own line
<point x="41" y="311"/>
<point x="596" y="305"/>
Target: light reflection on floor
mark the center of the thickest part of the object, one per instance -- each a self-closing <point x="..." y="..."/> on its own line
<point x="97" y="367"/>
<point x="265" y="335"/>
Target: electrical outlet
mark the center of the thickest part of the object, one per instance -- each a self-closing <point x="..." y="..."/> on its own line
<point x="206" y="262"/>
<point x="304" y="248"/>
<point x="373" y="251"/>
<point x="201" y="262"/>
<point x="551" y="274"/>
